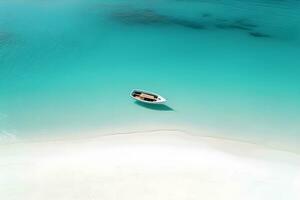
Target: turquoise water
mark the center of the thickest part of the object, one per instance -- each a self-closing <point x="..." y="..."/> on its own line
<point x="228" y="66"/>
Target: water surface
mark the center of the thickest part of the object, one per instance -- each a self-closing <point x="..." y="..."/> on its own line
<point x="229" y="66"/>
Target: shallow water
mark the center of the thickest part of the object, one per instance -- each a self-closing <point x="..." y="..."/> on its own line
<point x="229" y="66"/>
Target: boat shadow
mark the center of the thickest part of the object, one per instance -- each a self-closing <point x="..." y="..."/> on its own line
<point x="159" y="107"/>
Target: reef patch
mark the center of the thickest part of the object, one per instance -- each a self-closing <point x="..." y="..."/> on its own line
<point x="188" y="24"/>
<point x="134" y="16"/>
<point x="150" y="17"/>
<point x="5" y="38"/>
<point x="259" y="35"/>
<point x="239" y="24"/>
<point x="139" y="16"/>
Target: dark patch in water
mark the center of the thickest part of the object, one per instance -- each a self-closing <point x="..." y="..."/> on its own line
<point x="259" y="34"/>
<point x="206" y="15"/>
<point x="150" y="17"/>
<point x="245" y="23"/>
<point x="240" y="24"/>
<point x="188" y="24"/>
<point x="143" y="16"/>
<point x="232" y="26"/>
<point x="239" y="27"/>
<point x="4" y="38"/>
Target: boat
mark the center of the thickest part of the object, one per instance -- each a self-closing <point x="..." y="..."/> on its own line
<point x="147" y="97"/>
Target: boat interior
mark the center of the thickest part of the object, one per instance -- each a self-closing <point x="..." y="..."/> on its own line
<point x="145" y="96"/>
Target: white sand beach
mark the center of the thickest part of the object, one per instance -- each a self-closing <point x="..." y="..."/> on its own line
<point x="153" y="165"/>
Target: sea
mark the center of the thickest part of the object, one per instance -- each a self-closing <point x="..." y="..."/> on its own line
<point x="229" y="68"/>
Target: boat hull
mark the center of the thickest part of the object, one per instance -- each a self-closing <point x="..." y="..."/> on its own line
<point x="159" y="98"/>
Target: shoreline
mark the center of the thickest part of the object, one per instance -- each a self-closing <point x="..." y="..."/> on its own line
<point x="128" y="130"/>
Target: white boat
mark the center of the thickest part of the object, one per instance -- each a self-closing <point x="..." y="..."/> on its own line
<point x="147" y="97"/>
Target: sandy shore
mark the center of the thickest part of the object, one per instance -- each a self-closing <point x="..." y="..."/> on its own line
<point x="150" y="165"/>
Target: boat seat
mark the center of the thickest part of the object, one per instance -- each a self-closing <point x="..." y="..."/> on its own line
<point x="147" y="96"/>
